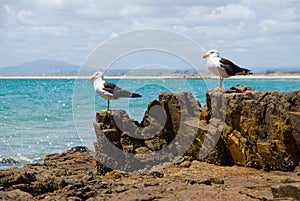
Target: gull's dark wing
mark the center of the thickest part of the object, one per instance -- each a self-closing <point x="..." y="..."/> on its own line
<point x="233" y="69"/>
<point x="110" y="87"/>
<point x="117" y="92"/>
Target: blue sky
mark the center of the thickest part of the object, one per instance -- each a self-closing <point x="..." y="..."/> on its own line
<point x="252" y="33"/>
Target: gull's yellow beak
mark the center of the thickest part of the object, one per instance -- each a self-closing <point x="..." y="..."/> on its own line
<point x="92" y="78"/>
<point x="205" y="56"/>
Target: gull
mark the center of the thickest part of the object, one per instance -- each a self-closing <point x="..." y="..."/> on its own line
<point x="223" y="67"/>
<point x="108" y="90"/>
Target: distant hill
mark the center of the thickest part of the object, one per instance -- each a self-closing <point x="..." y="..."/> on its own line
<point x="41" y="67"/>
<point x="53" y="67"/>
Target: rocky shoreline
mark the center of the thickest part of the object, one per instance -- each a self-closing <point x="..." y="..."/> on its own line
<point x="72" y="175"/>
<point x="240" y="126"/>
<point x="242" y="145"/>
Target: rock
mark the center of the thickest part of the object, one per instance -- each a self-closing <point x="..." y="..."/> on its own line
<point x="258" y="131"/>
<point x="208" y="181"/>
<point x="291" y="190"/>
<point x="185" y="164"/>
<point x="163" y="134"/>
<point x="74" y="198"/>
<point x="72" y="176"/>
<point x="80" y="149"/>
<point x="8" y="162"/>
<point x="239" y="126"/>
<point x="295" y="121"/>
<point x="69" y="168"/>
<point x="15" y="195"/>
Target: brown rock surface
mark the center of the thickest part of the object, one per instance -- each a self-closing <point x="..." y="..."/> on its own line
<point x="259" y="131"/>
<point x="15" y="195"/>
<point x="295" y="121"/>
<point x="71" y="170"/>
<point x="165" y="133"/>
<point x="239" y="126"/>
<point x="289" y="189"/>
<point x="73" y="176"/>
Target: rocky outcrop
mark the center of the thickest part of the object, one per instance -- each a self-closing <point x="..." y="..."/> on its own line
<point x="72" y="175"/>
<point x="70" y="171"/>
<point x="239" y="126"/>
<point x="166" y="132"/>
<point x="295" y="121"/>
<point x="287" y="190"/>
<point x="6" y="162"/>
<point x="15" y="195"/>
<point x="260" y="128"/>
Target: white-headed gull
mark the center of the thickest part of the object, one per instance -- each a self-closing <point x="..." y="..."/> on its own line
<point x="109" y="90"/>
<point x="223" y="67"/>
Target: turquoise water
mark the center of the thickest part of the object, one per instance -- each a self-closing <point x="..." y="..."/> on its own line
<point x="43" y="116"/>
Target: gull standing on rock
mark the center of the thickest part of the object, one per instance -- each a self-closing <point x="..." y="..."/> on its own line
<point x="109" y="90"/>
<point x="223" y="67"/>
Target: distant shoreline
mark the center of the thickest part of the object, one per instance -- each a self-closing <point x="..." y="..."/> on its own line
<point x="183" y="76"/>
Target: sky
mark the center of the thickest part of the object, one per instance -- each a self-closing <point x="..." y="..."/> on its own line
<point x="252" y="33"/>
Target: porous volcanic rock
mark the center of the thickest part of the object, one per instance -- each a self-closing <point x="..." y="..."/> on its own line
<point x="260" y="126"/>
<point x="239" y="126"/>
<point x="69" y="171"/>
<point x="166" y="132"/>
<point x="287" y="190"/>
<point x="72" y="175"/>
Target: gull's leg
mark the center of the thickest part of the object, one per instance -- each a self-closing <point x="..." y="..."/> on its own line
<point x="221" y="82"/>
<point x="107" y="106"/>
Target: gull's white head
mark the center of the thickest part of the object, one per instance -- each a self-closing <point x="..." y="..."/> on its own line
<point x="211" y="53"/>
<point x="97" y="75"/>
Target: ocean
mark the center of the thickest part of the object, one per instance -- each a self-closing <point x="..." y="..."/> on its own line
<point x="44" y="116"/>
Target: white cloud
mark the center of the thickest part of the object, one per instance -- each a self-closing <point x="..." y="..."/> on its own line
<point x="78" y="26"/>
<point x="273" y="4"/>
<point x="53" y="4"/>
<point x="222" y="15"/>
<point x="131" y="11"/>
<point x="231" y="13"/>
<point x="24" y="14"/>
<point x="287" y="28"/>
<point x="6" y="8"/>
